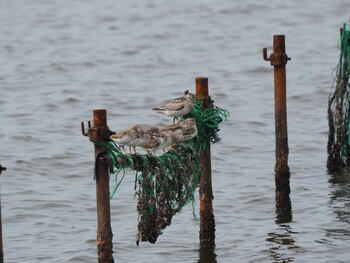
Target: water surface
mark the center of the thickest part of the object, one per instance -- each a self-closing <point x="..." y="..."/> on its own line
<point x="61" y="59"/>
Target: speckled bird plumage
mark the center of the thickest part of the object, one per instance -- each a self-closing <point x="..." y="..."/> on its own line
<point x="177" y="107"/>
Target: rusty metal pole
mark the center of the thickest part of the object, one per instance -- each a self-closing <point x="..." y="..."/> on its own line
<point x="1" y="246"/>
<point x="207" y="221"/>
<point x="100" y="132"/>
<point x="279" y="59"/>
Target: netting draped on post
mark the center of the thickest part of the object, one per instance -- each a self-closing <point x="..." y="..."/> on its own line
<point x="338" y="109"/>
<point x="164" y="184"/>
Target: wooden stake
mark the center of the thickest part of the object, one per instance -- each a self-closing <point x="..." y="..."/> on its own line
<point x="207" y="221"/>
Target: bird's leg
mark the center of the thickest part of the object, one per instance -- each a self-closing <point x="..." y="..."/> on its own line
<point x="118" y="146"/>
<point x="123" y="149"/>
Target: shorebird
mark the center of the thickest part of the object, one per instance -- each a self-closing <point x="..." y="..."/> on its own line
<point x="136" y="142"/>
<point x="189" y="127"/>
<point x="170" y="137"/>
<point x="186" y="127"/>
<point x="177" y="107"/>
<point x="128" y="136"/>
<point x="152" y="139"/>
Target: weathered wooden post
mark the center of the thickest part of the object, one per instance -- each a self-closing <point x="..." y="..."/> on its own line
<point x="1" y="247"/>
<point x="279" y="59"/>
<point x="100" y="131"/>
<point x="207" y="221"/>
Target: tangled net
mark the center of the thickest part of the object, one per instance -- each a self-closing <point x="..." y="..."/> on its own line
<point x="165" y="184"/>
<point x="338" y="109"/>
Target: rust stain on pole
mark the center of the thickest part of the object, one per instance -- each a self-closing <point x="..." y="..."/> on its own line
<point x="207" y="221"/>
<point x="100" y="131"/>
<point x="279" y="59"/>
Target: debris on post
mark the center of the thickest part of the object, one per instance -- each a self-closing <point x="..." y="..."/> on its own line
<point x="278" y="60"/>
<point x="338" y="146"/>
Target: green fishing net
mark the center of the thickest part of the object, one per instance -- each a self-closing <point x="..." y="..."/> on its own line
<point x="165" y="184"/>
<point x="338" y="109"/>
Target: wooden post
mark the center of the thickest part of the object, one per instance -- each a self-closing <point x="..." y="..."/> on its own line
<point x="207" y="221"/>
<point x="279" y="60"/>
<point x="100" y="132"/>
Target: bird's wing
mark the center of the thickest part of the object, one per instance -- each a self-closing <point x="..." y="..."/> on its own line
<point x="173" y="105"/>
<point x="176" y="104"/>
<point x="171" y="127"/>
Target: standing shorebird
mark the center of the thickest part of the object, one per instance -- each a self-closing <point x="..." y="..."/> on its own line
<point x="177" y="107"/>
<point x="128" y="136"/>
<point x="152" y="140"/>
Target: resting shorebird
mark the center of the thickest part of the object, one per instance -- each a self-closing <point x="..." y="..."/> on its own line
<point x="170" y="137"/>
<point x="151" y="140"/>
<point x="128" y="136"/>
<point x="177" y="107"/>
<point x="187" y="128"/>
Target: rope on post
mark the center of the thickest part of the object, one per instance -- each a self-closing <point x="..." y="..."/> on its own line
<point x="338" y="146"/>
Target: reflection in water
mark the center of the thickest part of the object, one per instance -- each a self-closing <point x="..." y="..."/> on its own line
<point x="340" y="202"/>
<point x="207" y="256"/>
<point x="281" y="241"/>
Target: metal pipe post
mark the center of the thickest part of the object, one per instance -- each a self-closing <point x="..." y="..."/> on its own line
<point x="100" y="132"/>
<point x="1" y="246"/>
<point x="279" y="59"/>
<point x="207" y="221"/>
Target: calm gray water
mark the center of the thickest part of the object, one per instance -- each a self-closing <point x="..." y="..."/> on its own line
<point x="61" y="59"/>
